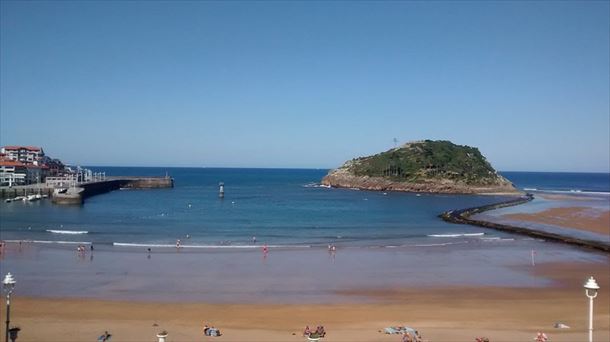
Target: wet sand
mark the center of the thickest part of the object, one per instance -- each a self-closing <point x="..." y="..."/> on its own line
<point x="440" y="314"/>
<point x="583" y="218"/>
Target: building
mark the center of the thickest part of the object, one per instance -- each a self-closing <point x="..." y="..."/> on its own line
<point x="12" y="172"/>
<point x="24" y="154"/>
<point x="55" y="167"/>
<point x="23" y="165"/>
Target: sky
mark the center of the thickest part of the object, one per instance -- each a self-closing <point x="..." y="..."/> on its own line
<point x="306" y="84"/>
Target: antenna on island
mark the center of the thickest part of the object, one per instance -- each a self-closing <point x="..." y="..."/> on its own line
<point x="395" y="142"/>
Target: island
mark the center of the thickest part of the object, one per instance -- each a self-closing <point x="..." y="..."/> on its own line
<point x="422" y="166"/>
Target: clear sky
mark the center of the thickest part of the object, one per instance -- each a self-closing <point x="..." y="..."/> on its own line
<point x="306" y="84"/>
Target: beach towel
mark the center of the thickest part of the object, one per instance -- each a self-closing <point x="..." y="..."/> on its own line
<point x="399" y="330"/>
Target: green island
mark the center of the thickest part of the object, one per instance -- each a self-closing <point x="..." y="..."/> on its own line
<point x="422" y="166"/>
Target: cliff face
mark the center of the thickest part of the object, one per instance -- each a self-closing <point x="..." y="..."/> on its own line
<point x="423" y="166"/>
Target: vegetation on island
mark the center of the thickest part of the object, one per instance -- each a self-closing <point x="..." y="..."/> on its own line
<point x="427" y="160"/>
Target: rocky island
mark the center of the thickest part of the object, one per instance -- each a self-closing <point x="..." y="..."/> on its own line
<point x="422" y="166"/>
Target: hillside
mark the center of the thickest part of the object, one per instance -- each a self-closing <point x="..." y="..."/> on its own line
<point x="422" y="166"/>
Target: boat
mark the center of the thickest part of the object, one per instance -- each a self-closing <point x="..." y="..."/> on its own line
<point x="31" y="198"/>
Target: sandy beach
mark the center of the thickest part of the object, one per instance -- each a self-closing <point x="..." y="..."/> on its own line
<point x="440" y="314"/>
<point x="583" y="218"/>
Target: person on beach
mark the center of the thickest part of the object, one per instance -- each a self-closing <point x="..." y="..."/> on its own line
<point x="206" y="329"/>
<point x="104" y="337"/>
<point x="541" y="337"/>
<point x="406" y="337"/>
<point x="254" y="239"/>
<point x="265" y="249"/>
<point x="306" y="332"/>
<point x="178" y="243"/>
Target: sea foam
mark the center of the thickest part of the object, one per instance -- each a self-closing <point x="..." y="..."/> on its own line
<point x="71" y="232"/>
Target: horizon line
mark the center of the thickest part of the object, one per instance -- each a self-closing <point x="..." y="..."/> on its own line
<point x="296" y="168"/>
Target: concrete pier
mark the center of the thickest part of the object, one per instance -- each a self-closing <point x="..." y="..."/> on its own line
<point x="77" y="195"/>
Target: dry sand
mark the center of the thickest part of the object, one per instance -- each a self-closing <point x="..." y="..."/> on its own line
<point x="583" y="218"/>
<point x="440" y="314"/>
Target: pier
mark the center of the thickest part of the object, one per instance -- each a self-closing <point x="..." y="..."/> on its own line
<point x="77" y="193"/>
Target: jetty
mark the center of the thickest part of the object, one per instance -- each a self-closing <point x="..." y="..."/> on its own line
<point x="76" y="193"/>
<point x="462" y="216"/>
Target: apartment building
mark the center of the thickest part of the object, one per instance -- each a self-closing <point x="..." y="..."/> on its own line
<point x="12" y="172"/>
<point x="25" y="154"/>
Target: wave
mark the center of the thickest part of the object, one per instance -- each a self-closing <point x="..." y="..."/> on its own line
<point x="491" y="239"/>
<point x="441" y="244"/>
<point x="316" y="185"/>
<point x="71" y="232"/>
<point x="51" y="242"/>
<point x="571" y="191"/>
<point x="150" y="245"/>
<point x="456" y="235"/>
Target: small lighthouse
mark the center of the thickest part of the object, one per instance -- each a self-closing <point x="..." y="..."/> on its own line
<point x="221" y="190"/>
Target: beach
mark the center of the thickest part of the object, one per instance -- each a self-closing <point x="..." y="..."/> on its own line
<point x="440" y="314"/>
<point x="450" y="287"/>
<point x="584" y="218"/>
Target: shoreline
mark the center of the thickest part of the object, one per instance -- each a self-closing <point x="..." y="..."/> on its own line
<point x="458" y="292"/>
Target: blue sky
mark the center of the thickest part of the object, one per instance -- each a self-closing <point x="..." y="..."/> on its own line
<point x="306" y="84"/>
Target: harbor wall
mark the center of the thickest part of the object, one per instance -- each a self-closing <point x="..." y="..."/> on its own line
<point x="12" y="192"/>
<point x="77" y="195"/>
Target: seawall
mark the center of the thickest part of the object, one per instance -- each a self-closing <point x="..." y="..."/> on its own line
<point x="462" y="216"/>
<point x="12" y="192"/>
<point x="77" y="196"/>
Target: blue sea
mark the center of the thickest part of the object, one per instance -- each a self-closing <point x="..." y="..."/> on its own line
<point x="279" y="207"/>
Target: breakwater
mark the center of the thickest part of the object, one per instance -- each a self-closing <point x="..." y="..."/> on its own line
<point x="77" y="195"/>
<point x="462" y="216"/>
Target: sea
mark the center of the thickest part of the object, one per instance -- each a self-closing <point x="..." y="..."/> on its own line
<point x="383" y="240"/>
<point x="285" y="208"/>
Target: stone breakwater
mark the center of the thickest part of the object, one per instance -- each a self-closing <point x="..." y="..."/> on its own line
<point x="78" y="194"/>
<point x="462" y="216"/>
<point x="343" y="178"/>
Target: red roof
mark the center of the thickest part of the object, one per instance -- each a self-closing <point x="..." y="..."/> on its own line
<point x="6" y="162"/>
<point x="29" y="148"/>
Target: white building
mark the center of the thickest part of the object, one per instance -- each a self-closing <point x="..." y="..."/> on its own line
<point x="25" y="154"/>
<point x="12" y="173"/>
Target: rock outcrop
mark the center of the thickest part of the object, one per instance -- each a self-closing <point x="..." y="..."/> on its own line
<point x="422" y="166"/>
